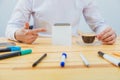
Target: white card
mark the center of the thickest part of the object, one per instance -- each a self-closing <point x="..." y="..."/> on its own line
<point x="62" y="34"/>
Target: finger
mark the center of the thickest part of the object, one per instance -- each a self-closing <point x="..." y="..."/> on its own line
<point x="35" y="34"/>
<point x="107" y="30"/>
<point x="110" y="38"/>
<point x="34" y="31"/>
<point x="31" y="39"/>
<point x="26" y="32"/>
<point x="110" y="42"/>
<point x="108" y="34"/>
<point x="26" y="26"/>
<point x="102" y="33"/>
<point x="100" y="36"/>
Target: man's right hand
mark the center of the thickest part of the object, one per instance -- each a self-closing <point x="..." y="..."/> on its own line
<point x="27" y="35"/>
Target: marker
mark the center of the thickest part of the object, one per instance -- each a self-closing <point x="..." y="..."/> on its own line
<point x="117" y="54"/>
<point x="64" y="56"/>
<point x="16" y="53"/>
<point x="31" y="27"/>
<point x="39" y="60"/>
<point x="7" y="44"/>
<point x="10" y="48"/>
<point x="84" y="60"/>
<point x="109" y="58"/>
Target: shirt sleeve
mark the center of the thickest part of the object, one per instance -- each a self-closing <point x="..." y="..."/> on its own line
<point x="21" y="14"/>
<point x="94" y="18"/>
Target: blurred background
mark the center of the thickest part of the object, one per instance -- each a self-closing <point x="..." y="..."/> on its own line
<point x="110" y="10"/>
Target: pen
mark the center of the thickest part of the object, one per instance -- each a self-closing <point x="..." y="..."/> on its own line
<point x="16" y="53"/>
<point x="84" y="60"/>
<point x="109" y="58"/>
<point x="10" y="48"/>
<point x="39" y="60"/>
<point x="64" y="56"/>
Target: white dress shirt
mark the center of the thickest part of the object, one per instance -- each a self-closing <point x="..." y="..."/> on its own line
<point x="46" y="13"/>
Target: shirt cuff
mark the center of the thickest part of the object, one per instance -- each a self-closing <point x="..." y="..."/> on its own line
<point x="10" y="34"/>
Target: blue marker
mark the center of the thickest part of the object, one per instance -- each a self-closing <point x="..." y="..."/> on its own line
<point x="64" y="56"/>
<point x="11" y="48"/>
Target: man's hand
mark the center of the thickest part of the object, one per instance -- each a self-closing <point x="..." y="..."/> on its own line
<point x="108" y="36"/>
<point x="27" y="35"/>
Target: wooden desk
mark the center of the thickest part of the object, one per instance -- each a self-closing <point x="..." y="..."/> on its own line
<point x="20" y="68"/>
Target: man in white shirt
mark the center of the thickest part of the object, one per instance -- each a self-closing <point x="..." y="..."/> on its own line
<point x="45" y="13"/>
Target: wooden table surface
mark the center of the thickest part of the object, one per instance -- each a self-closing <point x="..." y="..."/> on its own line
<point x="20" y="68"/>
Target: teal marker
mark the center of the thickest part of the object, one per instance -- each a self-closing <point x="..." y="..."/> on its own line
<point x="17" y="53"/>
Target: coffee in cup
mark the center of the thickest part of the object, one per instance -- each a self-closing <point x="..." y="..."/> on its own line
<point x="88" y="38"/>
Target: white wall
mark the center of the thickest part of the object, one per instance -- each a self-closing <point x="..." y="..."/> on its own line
<point x="6" y="8"/>
<point x="110" y="10"/>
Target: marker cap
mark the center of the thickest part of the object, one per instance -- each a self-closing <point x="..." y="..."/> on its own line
<point x="64" y="55"/>
<point x="14" y="48"/>
<point x="119" y="64"/>
<point x="24" y="52"/>
<point x="100" y="53"/>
